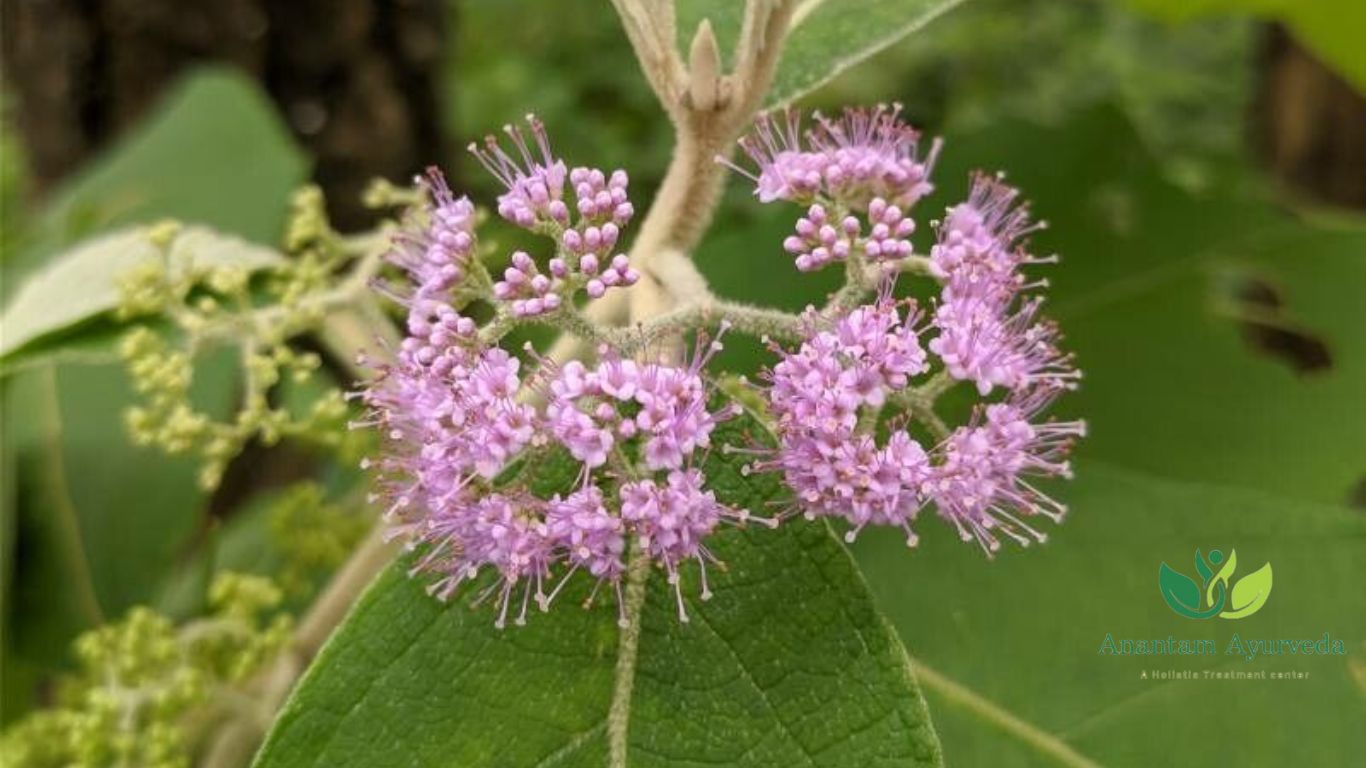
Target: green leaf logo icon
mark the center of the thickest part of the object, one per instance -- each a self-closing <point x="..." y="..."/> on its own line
<point x="1221" y="578"/>
<point x="1216" y="590"/>
<point x="1249" y="594"/>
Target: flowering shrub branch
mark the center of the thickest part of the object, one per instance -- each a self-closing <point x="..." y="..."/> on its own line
<point x="458" y="413"/>
<point x="454" y="407"/>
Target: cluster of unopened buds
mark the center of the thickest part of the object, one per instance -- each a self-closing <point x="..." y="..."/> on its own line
<point x="850" y="404"/>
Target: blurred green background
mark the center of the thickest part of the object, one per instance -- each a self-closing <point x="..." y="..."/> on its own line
<point x="1203" y="170"/>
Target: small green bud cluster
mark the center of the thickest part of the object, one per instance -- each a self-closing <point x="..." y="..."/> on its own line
<point x="143" y="684"/>
<point x="382" y="193"/>
<point x="318" y="255"/>
<point x="222" y="305"/>
<point x="314" y="535"/>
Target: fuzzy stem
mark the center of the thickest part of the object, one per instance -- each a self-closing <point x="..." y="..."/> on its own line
<point x="937" y="385"/>
<point x="628" y="647"/>
<point x="574" y="323"/>
<point x="234" y="745"/>
<point x="920" y="402"/>
<point x="608" y="311"/>
<point x="706" y="124"/>
<point x="916" y="265"/>
<point x="497" y="328"/>
<point x="705" y="128"/>
<point x="859" y="279"/>
<point x="755" y="321"/>
<point x="932" y="421"/>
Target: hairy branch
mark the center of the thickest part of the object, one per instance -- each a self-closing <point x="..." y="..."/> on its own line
<point x="706" y="124"/>
<point x="649" y="25"/>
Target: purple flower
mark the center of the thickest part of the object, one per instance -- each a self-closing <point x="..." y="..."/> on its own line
<point x="888" y="240"/>
<point x="982" y="340"/>
<point x="786" y="171"/>
<point x="672" y="519"/>
<point x="451" y="413"/>
<point x="534" y="177"/>
<point x="591" y="538"/>
<point x="600" y="198"/>
<point x="987" y="334"/>
<point x="980" y="247"/>
<point x="529" y="292"/>
<point x="818" y="395"/>
<point x="819" y="241"/>
<point x="862" y="155"/>
<point x="982" y="485"/>
<point x="664" y="407"/>
<point x="436" y="256"/>
<point x="865" y="162"/>
<point x="586" y="236"/>
<point x="849" y="476"/>
<point x="590" y="535"/>
<point x="871" y="154"/>
<point x="493" y="530"/>
<point x="444" y="423"/>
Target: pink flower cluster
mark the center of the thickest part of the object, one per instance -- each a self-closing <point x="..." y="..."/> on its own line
<point x="453" y="421"/>
<point x="866" y="162"/>
<point x="438" y="256"/>
<point x="664" y="406"/>
<point x="586" y="235"/>
<point x="852" y="404"/>
<point x="988" y="332"/>
<point x="455" y="411"/>
<point x="818" y="394"/>
<point x="828" y="396"/>
<point x="825" y="397"/>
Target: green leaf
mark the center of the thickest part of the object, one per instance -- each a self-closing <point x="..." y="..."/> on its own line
<point x="788" y="664"/>
<point x="83" y="283"/>
<point x="1222" y="577"/>
<point x="100" y="523"/>
<point x="1330" y="28"/>
<point x="826" y="36"/>
<point x="1180" y="590"/>
<point x="1249" y="593"/>
<point x="1022" y="632"/>
<point x="1202" y="567"/>
<point x="830" y="36"/>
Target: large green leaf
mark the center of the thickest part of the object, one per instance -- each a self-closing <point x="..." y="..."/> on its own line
<point x="1332" y="29"/>
<point x="97" y="523"/>
<point x="788" y="664"/>
<point x="1023" y="633"/>
<point x="826" y="36"/>
<point x="83" y="283"/>
<point x="830" y="36"/>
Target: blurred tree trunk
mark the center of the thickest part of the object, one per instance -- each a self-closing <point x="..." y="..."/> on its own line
<point x="1311" y="123"/>
<point x="357" y="80"/>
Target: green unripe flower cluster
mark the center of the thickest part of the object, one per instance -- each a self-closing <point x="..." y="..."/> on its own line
<point x="217" y="306"/>
<point x="143" y="682"/>
<point x="314" y="535"/>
